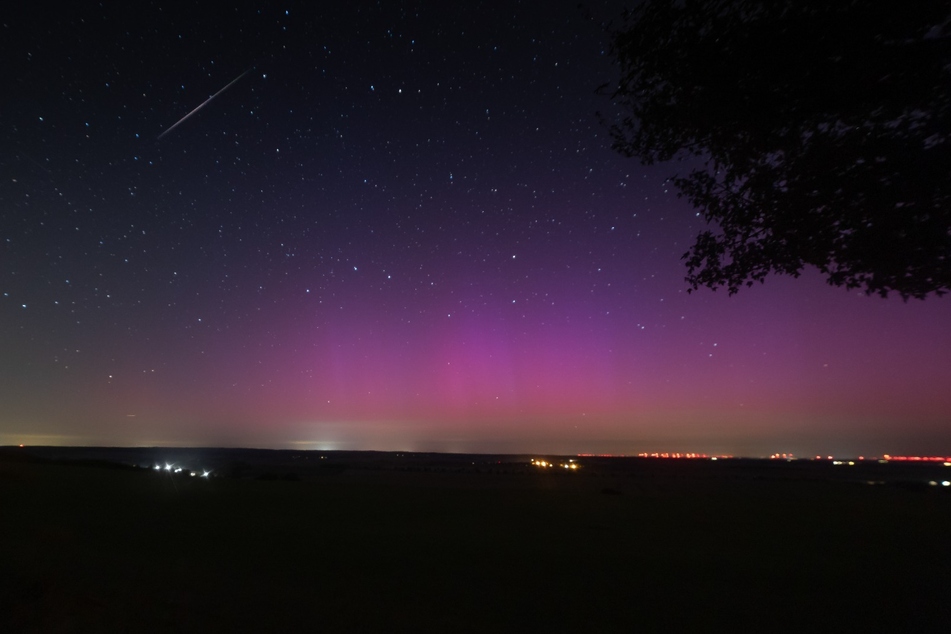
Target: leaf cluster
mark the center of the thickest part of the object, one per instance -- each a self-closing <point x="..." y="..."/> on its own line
<point x="823" y="132"/>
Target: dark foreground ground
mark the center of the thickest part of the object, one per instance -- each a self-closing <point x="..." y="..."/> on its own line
<point x="293" y="541"/>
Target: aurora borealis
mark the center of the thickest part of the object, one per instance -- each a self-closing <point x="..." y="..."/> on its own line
<point x="403" y="229"/>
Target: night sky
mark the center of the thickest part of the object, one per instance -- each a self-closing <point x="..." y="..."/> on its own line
<point x="401" y="228"/>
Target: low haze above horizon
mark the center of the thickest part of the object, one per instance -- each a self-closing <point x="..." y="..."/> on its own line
<point x="395" y="226"/>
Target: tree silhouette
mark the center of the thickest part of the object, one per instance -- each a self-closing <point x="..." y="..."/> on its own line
<point x="813" y="133"/>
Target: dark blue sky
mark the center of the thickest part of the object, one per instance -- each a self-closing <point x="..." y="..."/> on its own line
<point x="403" y="228"/>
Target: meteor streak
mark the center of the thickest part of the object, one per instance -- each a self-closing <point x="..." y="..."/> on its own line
<point x="203" y="104"/>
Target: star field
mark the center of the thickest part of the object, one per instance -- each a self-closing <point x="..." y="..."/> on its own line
<point x="403" y="229"/>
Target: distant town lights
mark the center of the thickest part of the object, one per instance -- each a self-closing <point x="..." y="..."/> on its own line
<point x="677" y="455"/>
<point x="571" y="465"/>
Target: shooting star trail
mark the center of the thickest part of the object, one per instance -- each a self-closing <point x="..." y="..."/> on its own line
<point x="204" y="103"/>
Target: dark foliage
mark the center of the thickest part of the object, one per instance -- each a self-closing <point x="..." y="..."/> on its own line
<point x="17" y="454"/>
<point x="239" y="469"/>
<point x="815" y="133"/>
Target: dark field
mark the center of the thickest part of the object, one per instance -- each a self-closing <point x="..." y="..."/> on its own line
<point x="290" y="541"/>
